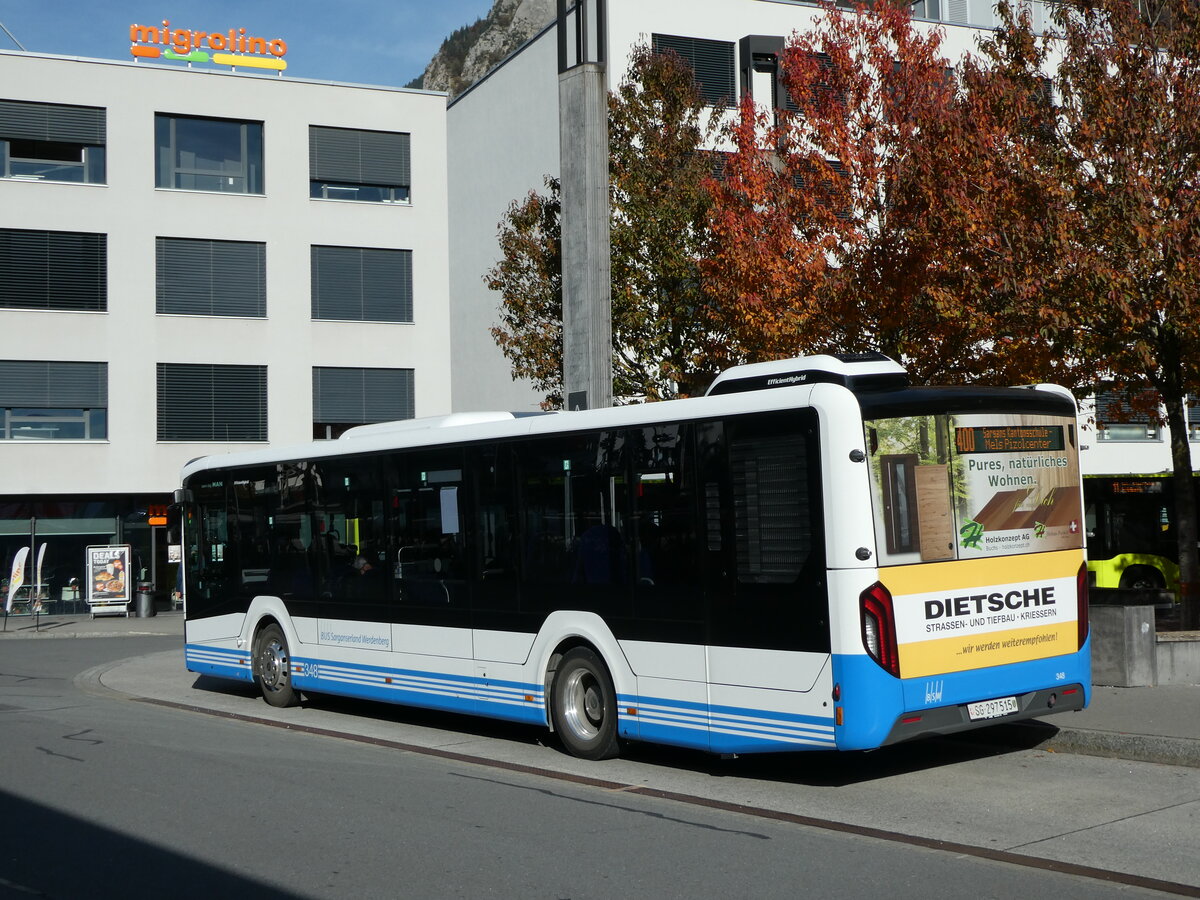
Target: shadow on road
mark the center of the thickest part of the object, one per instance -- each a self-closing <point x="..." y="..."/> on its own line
<point x="51" y="854"/>
<point x="815" y="768"/>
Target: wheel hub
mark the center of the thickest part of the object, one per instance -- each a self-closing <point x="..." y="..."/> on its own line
<point x="272" y="665"/>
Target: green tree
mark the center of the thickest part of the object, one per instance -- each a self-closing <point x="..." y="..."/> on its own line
<point x="662" y="339"/>
<point x="529" y="280"/>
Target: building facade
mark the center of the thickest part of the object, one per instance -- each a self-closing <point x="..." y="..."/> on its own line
<point x="192" y="261"/>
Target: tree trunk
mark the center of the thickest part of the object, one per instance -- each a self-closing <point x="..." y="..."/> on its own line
<point x="1187" y="531"/>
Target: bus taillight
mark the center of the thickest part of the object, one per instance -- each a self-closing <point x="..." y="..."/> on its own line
<point x="879" y="627"/>
<point x="1081" y="592"/>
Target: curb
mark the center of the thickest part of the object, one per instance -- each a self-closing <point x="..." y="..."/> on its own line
<point x="1151" y="748"/>
<point x="1170" y="751"/>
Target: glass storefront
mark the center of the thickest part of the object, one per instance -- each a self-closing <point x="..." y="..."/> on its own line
<point x="67" y="526"/>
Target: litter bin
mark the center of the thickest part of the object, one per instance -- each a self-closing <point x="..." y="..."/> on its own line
<point x="145" y="600"/>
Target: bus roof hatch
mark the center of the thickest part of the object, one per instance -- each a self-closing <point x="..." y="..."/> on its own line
<point x="856" y="371"/>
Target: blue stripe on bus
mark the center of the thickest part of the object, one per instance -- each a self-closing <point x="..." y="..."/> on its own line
<point x="511" y="700"/>
<point x="721" y="729"/>
<point x="873" y="700"/>
<point x="218" y="662"/>
<point x="726" y="729"/>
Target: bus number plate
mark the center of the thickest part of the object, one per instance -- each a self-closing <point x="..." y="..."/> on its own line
<point x="992" y="709"/>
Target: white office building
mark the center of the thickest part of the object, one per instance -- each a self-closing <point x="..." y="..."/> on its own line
<point x="193" y="261"/>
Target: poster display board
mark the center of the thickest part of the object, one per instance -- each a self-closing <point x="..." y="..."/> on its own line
<point x="109" y="587"/>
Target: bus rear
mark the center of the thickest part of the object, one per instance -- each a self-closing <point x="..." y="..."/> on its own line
<point x="979" y="611"/>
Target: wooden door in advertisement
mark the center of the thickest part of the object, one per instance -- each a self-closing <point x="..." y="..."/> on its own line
<point x="935" y="524"/>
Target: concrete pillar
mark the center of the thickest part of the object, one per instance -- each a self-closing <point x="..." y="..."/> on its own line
<point x="587" y="297"/>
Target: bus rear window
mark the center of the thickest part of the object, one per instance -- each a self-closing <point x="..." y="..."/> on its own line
<point x="968" y="485"/>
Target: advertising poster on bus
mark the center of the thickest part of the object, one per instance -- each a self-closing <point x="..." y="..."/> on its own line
<point x="979" y="520"/>
<point x="108" y="569"/>
<point x="1019" y="485"/>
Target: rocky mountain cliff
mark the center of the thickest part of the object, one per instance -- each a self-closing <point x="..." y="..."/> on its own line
<point x="471" y="51"/>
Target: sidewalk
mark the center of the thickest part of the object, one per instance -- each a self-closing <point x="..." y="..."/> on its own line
<point x="1152" y="724"/>
<point x="82" y="625"/>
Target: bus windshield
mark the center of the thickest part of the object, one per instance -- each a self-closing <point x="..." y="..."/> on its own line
<point x="968" y="485"/>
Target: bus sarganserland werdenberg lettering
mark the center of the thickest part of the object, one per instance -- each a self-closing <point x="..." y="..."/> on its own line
<point x="815" y="555"/>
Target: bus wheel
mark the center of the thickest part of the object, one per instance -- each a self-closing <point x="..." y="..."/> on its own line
<point x="584" y="706"/>
<point x="272" y="667"/>
<point x="1142" y="578"/>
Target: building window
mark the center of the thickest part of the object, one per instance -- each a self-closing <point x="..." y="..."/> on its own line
<point x="351" y="164"/>
<point x="361" y="284"/>
<point x="59" y="270"/>
<point x="208" y="154"/>
<point x="1125" y="416"/>
<point x="210" y="278"/>
<point x="343" y="398"/>
<point x="51" y="142"/>
<point x="978" y="12"/>
<point x="53" y="401"/>
<point x="211" y="402"/>
<point x="712" y="61"/>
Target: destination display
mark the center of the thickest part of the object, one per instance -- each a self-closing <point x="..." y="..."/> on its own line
<point x="1009" y="438"/>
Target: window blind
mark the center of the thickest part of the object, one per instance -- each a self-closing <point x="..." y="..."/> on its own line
<point x="362" y="284"/>
<point x="712" y="61"/>
<point x="354" y="156"/>
<point x="210" y="278"/>
<point x="23" y="120"/>
<point x="200" y="402"/>
<point x="53" y="385"/>
<point x="361" y="396"/>
<point x="62" y="270"/>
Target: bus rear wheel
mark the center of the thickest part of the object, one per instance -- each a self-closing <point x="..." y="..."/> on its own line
<point x="272" y="667"/>
<point x="584" y="706"/>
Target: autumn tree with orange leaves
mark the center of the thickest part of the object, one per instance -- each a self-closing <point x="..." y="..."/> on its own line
<point x="854" y="219"/>
<point x="1119" y="156"/>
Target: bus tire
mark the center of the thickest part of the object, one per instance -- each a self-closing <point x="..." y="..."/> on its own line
<point x="584" y="706"/>
<point x="1142" y="578"/>
<point x="272" y="667"/>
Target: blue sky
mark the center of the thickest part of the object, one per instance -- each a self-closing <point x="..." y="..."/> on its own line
<point x="384" y="42"/>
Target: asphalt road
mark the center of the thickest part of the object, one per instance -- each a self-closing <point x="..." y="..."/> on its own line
<point x="104" y="796"/>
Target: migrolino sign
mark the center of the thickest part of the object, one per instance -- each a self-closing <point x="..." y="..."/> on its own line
<point x="228" y="48"/>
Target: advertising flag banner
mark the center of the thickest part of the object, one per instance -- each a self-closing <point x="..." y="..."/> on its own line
<point x="17" y="578"/>
<point x="41" y="556"/>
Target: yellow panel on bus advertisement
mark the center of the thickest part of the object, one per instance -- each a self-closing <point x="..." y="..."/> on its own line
<point x="970" y="614"/>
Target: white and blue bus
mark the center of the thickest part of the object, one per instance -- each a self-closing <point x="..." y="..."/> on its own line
<point x="815" y="555"/>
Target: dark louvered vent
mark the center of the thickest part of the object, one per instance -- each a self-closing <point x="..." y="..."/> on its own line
<point x="771" y="508"/>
